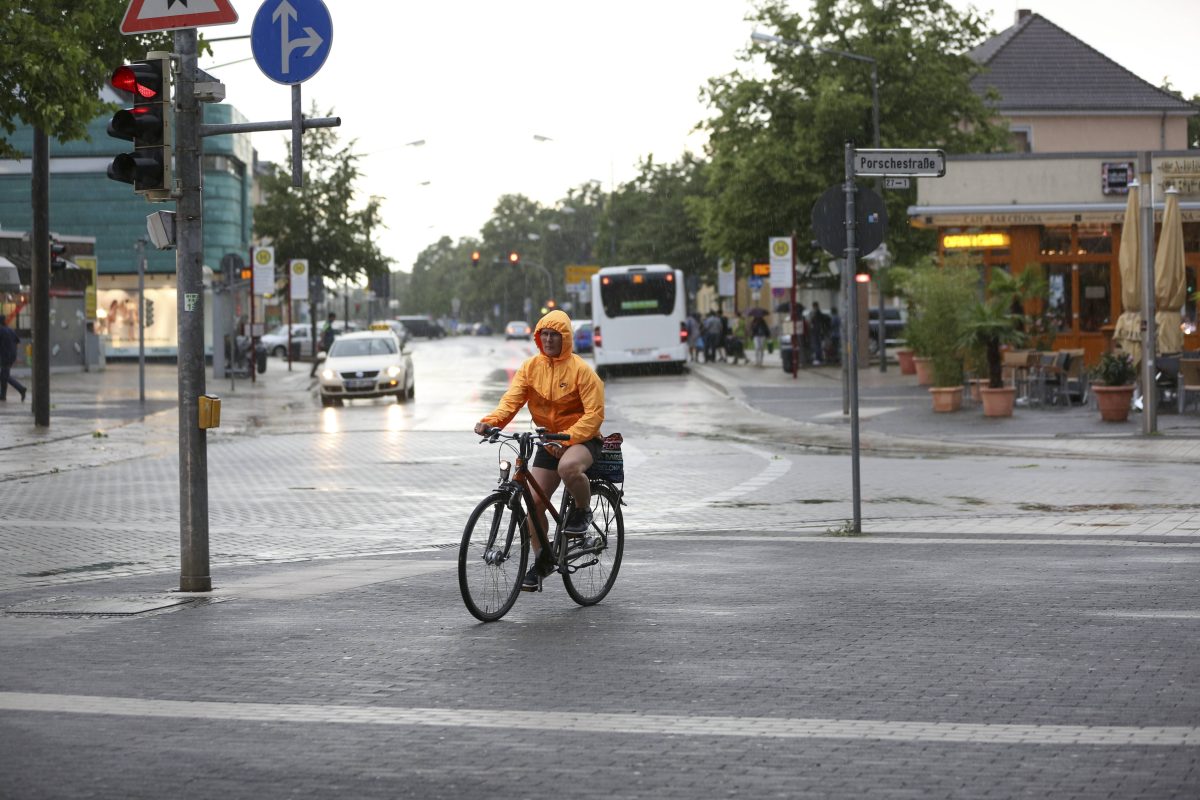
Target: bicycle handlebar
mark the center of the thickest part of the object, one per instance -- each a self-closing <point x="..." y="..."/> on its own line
<point x="493" y="434"/>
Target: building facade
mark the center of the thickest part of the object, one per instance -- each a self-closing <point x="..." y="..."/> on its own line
<point x="1078" y="121"/>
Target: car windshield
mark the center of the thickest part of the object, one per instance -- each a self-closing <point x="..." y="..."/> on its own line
<point x="280" y="331"/>
<point x="350" y="348"/>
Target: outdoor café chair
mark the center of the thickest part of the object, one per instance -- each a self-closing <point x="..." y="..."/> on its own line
<point x="1189" y="381"/>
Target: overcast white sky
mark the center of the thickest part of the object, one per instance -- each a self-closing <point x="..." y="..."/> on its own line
<point x="608" y="82"/>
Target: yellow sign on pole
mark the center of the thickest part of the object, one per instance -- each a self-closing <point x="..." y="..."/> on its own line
<point x="89" y="294"/>
<point x="580" y="274"/>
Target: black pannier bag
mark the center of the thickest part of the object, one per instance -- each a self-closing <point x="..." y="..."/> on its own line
<point x="610" y="464"/>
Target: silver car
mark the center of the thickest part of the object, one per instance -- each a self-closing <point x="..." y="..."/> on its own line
<point x="366" y="364"/>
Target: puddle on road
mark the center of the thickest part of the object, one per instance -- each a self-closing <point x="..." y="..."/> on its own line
<point x="101" y="567"/>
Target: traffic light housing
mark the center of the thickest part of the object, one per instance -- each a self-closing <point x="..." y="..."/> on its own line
<point x="57" y="256"/>
<point x="862" y="272"/>
<point x="147" y="124"/>
<point x="148" y="315"/>
<point x="474" y="258"/>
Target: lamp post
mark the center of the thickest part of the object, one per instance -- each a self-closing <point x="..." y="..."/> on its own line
<point x="849" y="290"/>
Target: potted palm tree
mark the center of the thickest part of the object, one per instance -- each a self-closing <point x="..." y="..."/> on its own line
<point x="1112" y="382"/>
<point x="988" y="326"/>
<point x="940" y="297"/>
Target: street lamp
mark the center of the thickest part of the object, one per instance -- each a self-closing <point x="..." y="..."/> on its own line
<point x="766" y="38"/>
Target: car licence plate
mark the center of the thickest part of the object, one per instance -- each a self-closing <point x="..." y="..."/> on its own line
<point x="360" y="384"/>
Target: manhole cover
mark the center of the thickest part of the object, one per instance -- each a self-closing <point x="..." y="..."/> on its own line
<point x="98" y="606"/>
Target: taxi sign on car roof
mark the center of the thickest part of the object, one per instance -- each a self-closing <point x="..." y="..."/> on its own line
<point x="379" y="326"/>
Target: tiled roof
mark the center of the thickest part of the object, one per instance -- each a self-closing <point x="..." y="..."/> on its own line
<point x="1036" y="65"/>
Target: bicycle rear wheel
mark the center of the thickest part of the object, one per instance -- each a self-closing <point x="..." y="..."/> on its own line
<point x="594" y="560"/>
<point x="492" y="557"/>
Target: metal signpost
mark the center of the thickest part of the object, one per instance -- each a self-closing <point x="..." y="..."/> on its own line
<point x="300" y="58"/>
<point x="883" y="164"/>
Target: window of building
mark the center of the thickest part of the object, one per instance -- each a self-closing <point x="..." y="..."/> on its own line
<point x="1060" y="303"/>
<point x="1095" y="306"/>
<point x="1021" y="138"/>
<point x="1094" y="239"/>
<point x="1056" y="241"/>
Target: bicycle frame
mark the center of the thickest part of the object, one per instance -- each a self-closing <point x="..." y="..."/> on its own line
<point x="521" y="480"/>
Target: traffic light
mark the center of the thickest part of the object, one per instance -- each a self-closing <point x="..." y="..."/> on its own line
<point x="148" y="316"/>
<point x="57" y="251"/>
<point x="550" y="304"/>
<point x="862" y="272"/>
<point x="514" y="258"/>
<point x="474" y="258"/>
<point x="147" y="124"/>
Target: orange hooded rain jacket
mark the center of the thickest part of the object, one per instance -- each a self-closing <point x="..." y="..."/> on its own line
<point x="564" y="394"/>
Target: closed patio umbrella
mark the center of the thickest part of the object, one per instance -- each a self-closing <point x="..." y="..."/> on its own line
<point x="1169" y="282"/>
<point x="1127" y="336"/>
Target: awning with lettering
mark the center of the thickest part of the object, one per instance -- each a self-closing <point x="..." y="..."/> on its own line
<point x="984" y="216"/>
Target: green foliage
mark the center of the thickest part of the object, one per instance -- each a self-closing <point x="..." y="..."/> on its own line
<point x="1026" y="295"/>
<point x="776" y="144"/>
<point x="939" y="298"/>
<point x="54" y="59"/>
<point x="650" y="219"/>
<point x="987" y="326"/>
<point x="1114" y="369"/>
<point x="317" y="221"/>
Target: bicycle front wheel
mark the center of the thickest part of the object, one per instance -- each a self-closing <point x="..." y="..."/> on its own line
<point x="492" y="557"/>
<point x="594" y="560"/>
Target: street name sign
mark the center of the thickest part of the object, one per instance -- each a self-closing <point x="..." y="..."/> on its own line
<point x="291" y="40"/>
<point x="145" y="16"/>
<point x="913" y="163"/>
<point x="896" y="183"/>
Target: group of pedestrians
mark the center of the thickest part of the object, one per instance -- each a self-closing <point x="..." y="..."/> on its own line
<point x="717" y="340"/>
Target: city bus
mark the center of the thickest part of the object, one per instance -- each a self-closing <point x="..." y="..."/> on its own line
<point x="639" y="316"/>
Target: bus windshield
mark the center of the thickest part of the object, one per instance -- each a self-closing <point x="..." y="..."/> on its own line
<point x="638" y="294"/>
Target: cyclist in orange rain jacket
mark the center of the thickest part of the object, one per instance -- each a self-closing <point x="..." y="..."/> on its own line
<point x="565" y="396"/>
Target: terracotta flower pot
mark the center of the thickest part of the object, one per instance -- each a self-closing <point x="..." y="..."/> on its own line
<point x="998" y="402"/>
<point x="946" y="398"/>
<point x="905" y="357"/>
<point x="923" y="367"/>
<point x="1113" y="401"/>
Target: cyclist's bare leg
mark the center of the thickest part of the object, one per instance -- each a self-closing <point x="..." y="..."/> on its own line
<point x="548" y="480"/>
<point x="571" y="468"/>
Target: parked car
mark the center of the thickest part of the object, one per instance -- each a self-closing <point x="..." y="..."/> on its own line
<point x="481" y="329"/>
<point x="422" y="327"/>
<point x="517" y="329"/>
<point x="366" y="364"/>
<point x="893" y="325"/>
<point x="276" y="341"/>
<point x="583" y="335"/>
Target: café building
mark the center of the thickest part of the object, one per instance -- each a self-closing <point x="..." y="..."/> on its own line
<point x="1078" y="121"/>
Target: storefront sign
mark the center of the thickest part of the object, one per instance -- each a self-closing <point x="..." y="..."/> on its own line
<point x="1115" y="176"/>
<point x="975" y="241"/>
<point x="1182" y="173"/>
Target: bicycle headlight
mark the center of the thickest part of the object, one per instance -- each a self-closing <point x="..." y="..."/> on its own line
<point x="505" y="468"/>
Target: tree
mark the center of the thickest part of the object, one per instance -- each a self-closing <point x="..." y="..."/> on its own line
<point x="317" y="221"/>
<point x="650" y="220"/>
<point x="54" y="59"/>
<point x="775" y="144"/>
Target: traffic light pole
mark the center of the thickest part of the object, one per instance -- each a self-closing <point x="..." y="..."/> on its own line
<point x="852" y="318"/>
<point x="193" y="444"/>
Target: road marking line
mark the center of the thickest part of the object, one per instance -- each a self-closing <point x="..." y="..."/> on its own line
<point x="871" y="539"/>
<point x="586" y="722"/>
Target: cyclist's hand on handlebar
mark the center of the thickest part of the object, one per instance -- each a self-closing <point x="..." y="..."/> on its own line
<point x="482" y="428"/>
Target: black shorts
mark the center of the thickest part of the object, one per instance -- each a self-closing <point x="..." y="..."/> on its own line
<point x="544" y="460"/>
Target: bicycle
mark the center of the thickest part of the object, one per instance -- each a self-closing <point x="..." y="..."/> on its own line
<point x="494" y="552"/>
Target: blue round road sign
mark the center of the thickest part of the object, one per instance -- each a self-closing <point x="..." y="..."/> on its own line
<point x="291" y="39"/>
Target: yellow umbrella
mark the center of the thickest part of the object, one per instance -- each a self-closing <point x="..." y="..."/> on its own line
<point x="1127" y="336"/>
<point x="1169" y="283"/>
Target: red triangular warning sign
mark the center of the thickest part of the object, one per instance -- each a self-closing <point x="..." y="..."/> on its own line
<point x="144" y="16"/>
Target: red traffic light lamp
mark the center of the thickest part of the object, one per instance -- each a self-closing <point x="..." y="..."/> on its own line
<point x="474" y="258"/>
<point x="514" y="258"/>
<point x="147" y="124"/>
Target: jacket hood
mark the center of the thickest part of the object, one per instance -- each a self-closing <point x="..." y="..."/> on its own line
<point x="558" y="321"/>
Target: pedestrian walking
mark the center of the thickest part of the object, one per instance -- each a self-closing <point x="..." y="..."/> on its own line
<point x="735" y="342"/>
<point x="8" y="357"/>
<point x="819" y="325"/>
<point x="327" y="337"/>
<point x="760" y="332"/>
<point x="722" y="352"/>
<point x="712" y="336"/>
<point x="693" y="331"/>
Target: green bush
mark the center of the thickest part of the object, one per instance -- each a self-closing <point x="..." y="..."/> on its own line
<point x="939" y="298"/>
<point x="1114" y="369"/>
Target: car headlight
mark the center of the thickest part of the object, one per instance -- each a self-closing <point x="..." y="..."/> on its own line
<point x="393" y="371"/>
<point x="327" y="374"/>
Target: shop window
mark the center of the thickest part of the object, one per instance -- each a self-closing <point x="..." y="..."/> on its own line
<point x="1095" y="307"/>
<point x="1094" y="239"/>
<point x="1191" y="237"/>
<point x="1058" y="301"/>
<point x="1190" y="319"/>
<point x="1056" y="241"/>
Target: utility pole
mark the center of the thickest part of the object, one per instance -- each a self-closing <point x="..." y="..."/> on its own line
<point x="40" y="278"/>
<point x="193" y="440"/>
